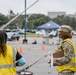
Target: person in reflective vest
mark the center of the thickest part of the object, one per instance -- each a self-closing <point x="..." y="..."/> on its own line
<point x="9" y="57"/>
<point x="66" y="65"/>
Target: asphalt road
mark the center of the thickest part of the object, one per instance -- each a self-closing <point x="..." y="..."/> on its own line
<point x="34" y="52"/>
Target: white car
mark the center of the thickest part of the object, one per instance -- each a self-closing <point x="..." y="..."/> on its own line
<point x="53" y="33"/>
<point x="74" y="32"/>
<point x="39" y="33"/>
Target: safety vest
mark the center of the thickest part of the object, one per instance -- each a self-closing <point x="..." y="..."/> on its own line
<point x="72" y="64"/>
<point x="8" y="63"/>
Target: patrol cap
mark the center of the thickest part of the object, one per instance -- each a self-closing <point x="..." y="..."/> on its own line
<point x="65" y="28"/>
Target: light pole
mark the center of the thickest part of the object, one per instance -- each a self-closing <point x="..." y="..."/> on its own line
<point x="25" y="25"/>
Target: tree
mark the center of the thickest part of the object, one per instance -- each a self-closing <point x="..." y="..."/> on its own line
<point x="36" y="20"/>
<point x="3" y="19"/>
<point x="17" y="23"/>
<point x="65" y="20"/>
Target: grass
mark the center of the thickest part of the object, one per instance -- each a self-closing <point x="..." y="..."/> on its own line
<point x="31" y="35"/>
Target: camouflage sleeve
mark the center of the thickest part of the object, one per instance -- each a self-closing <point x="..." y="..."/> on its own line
<point x="68" y="52"/>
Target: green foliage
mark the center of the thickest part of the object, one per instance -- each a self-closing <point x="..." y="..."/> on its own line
<point x="65" y="20"/>
<point x="36" y="20"/>
<point x="17" y="23"/>
<point x="3" y="19"/>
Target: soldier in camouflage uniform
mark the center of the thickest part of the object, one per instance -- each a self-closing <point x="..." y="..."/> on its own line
<point x="66" y="65"/>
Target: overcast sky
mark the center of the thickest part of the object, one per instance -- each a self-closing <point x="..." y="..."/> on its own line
<point x="42" y="6"/>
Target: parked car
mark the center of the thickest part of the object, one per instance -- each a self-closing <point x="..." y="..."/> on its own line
<point x="39" y="33"/>
<point x="20" y="32"/>
<point x="53" y="33"/>
<point x="74" y="32"/>
<point x="12" y="36"/>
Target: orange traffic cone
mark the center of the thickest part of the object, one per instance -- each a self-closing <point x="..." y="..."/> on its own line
<point x="43" y="47"/>
<point x="21" y="51"/>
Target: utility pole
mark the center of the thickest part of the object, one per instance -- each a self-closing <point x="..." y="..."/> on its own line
<point x="25" y="25"/>
<point x="25" y="41"/>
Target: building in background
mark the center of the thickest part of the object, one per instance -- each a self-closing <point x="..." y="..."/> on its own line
<point x="55" y="14"/>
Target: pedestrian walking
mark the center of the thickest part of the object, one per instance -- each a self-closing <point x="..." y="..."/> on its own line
<point x="66" y="65"/>
<point x="9" y="57"/>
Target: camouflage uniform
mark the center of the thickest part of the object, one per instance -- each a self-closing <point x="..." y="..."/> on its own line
<point x="67" y="72"/>
<point x="68" y="52"/>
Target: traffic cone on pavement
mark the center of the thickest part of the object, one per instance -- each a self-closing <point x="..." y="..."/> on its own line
<point x="43" y="47"/>
<point x="21" y="51"/>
